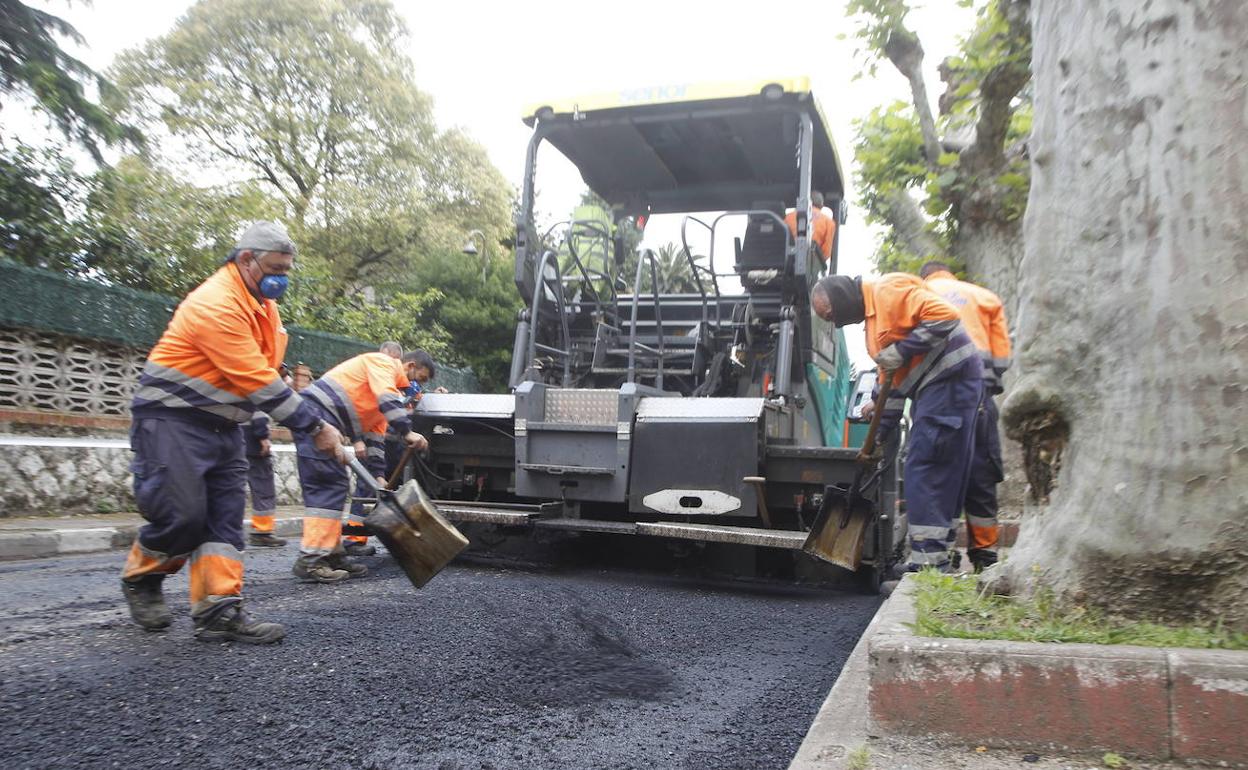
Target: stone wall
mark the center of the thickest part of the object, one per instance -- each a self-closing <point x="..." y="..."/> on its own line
<point x="58" y="476"/>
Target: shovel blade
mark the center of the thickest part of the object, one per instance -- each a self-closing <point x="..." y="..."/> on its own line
<point x="833" y="543"/>
<point x="415" y="533"/>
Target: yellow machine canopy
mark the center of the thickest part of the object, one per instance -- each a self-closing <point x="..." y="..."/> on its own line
<point x="686" y="148"/>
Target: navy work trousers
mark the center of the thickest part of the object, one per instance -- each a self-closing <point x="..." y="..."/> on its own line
<point x="987" y="470"/>
<point x="188" y="483"/>
<point x="325" y="484"/>
<point x="938" y="465"/>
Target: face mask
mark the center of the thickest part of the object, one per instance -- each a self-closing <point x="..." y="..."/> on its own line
<point x="271" y="286"/>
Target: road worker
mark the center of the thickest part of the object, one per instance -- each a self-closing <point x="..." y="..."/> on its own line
<point x="361" y="396"/>
<point x="918" y="339"/>
<point x="213" y="368"/>
<point x="983" y="317"/>
<point x="420" y="370"/>
<point x="373" y="455"/>
<point x="259" y="451"/>
<point x="822" y="226"/>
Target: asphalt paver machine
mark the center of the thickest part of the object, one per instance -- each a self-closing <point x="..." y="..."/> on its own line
<point x="724" y="414"/>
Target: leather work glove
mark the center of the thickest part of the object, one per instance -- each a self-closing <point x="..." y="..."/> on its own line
<point x="873" y="459"/>
<point x="416" y="441"/>
<point x="889" y="358"/>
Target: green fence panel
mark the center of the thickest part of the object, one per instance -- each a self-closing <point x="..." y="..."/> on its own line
<point x="45" y="301"/>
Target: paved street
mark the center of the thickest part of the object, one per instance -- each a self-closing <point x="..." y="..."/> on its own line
<point x="487" y="667"/>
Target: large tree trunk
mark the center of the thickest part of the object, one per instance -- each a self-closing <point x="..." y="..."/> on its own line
<point x="992" y="252"/>
<point x="1133" y="318"/>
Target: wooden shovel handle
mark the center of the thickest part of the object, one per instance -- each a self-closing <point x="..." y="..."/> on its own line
<point x="868" y="444"/>
<point x="397" y="476"/>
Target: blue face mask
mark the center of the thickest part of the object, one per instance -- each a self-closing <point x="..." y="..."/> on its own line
<point x="273" y="286"/>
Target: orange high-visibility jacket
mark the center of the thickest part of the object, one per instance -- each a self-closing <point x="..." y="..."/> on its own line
<point x="901" y="310"/>
<point x="983" y="315"/>
<point x="822" y="231"/>
<point x="218" y="359"/>
<point x="364" y="393"/>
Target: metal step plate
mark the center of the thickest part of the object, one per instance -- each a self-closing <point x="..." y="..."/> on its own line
<point x="493" y="513"/>
<point x="715" y="533"/>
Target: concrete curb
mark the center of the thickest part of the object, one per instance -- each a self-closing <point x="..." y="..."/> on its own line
<point x="1146" y="702"/>
<point x="33" y="542"/>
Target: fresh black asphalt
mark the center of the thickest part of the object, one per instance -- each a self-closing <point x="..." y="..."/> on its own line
<point x="486" y="667"/>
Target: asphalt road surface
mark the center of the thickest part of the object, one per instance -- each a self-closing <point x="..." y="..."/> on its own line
<point x="486" y="667"/>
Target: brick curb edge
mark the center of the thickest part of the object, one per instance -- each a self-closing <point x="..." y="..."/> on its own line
<point x="1143" y="701"/>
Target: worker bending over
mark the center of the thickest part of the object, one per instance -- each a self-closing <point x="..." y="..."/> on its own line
<point x="919" y="342"/>
<point x="983" y="317"/>
<point x="373" y="455"/>
<point x="360" y="396"/>
<point x="214" y="366"/>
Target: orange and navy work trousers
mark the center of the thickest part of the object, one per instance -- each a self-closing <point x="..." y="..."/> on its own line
<point x="326" y="484"/>
<point x="263" y="493"/>
<point x="981" y="492"/>
<point x="188" y="482"/>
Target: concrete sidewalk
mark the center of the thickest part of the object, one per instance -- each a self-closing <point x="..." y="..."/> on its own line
<point x="31" y="537"/>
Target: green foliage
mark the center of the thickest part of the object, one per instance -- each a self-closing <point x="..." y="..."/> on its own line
<point x="151" y="230"/>
<point x="32" y="62"/>
<point x="317" y="99"/>
<point x="479" y="317"/>
<point x="39" y="194"/>
<point x="877" y="20"/>
<point x="410" y="318"/>
<point x="950" y="606"/>
<point x="890" y="148"/>
<point x="1113" y="761"/>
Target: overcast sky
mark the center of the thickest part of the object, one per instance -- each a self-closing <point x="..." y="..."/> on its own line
<point x="484" y="62"/>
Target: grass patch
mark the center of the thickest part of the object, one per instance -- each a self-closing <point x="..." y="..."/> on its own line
<point x="951" y="606"/>
<point x="859" y="759"/>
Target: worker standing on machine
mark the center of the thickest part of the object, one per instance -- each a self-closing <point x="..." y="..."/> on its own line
<point x="822" y="226"/>
<point x="215" y="365"/>
<point x="917" y="338"/>
<point x="983" y="316"/>
<point x="360" y="395"/>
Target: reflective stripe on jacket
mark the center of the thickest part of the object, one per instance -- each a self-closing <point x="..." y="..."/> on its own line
<point x="219" y="357"/>
<point x="983" y="315"/>
<point x="927" y="330"/>
<point x="365" y="394"/>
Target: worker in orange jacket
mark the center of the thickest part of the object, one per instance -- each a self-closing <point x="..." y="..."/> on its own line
<point x="360" y="396"/>
<point x="918" y="340"/>
<point x="213" y="368"/>
<point x="983" y="315"/>
<point x="822" y="226"/>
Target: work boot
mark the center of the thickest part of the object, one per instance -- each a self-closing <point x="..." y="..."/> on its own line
<point x="147" y="602"/>
<point x="358" y="548"/>
<point x="981" y="559"/>
<point x="340" y="561"/>
<point x="231" y="623"/>
<point x="318" y="571"/>
<point x="265" y="540"/>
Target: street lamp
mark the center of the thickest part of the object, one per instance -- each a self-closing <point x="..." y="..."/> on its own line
<point x="470" y="248"/>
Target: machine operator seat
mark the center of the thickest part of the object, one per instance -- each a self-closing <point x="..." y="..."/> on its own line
<point x="762" y="250"/>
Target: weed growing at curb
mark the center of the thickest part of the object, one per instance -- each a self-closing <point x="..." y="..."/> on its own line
<point x="859" y="759"/>
<point x="951" y="606"/>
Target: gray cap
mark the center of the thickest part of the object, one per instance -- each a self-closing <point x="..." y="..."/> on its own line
<point x="266" y="236"/>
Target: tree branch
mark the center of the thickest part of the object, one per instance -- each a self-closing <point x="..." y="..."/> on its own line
<point x="1002" y="83"/>
<point x="905" y="51"/>
<point x="908" y="223"/>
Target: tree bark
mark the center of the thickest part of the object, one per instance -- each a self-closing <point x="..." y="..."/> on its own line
<point x="1133" y="319"/>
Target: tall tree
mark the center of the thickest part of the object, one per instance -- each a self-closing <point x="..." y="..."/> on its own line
<point x="147" y="229"/>
<point x="966" y="164"/>
<point x="1133" y="323"/>
<point x="32" y="62"/>
<point x="316" y="99"/>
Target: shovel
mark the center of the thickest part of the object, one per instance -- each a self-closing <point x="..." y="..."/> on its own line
<point x="407" y="522"/>
<point x="837" y="534"/>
